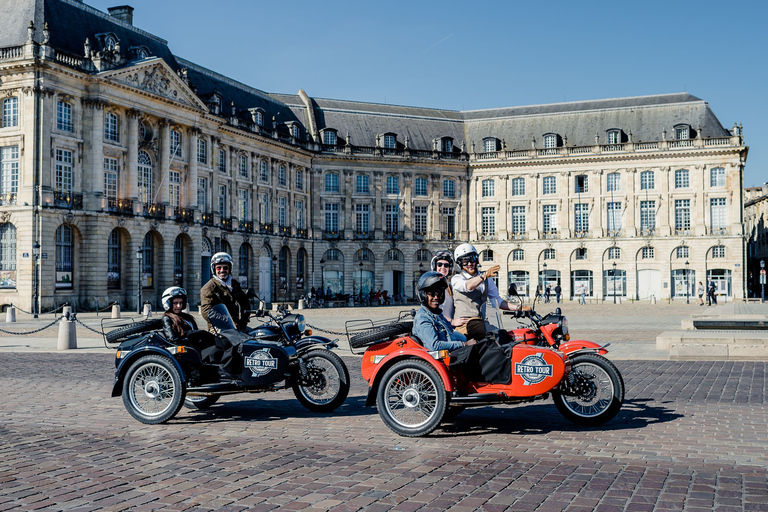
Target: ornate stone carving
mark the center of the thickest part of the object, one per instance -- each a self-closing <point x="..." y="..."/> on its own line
<point x="184" y="228"/>
<point x="5" y="217"/>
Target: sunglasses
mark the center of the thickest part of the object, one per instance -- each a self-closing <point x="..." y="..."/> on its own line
<point x="469" y="259"/>
<point x="441" y="264"/>
<point x="433" y="293"/>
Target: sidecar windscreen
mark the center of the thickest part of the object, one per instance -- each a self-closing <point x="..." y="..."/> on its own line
<point x="220" y="318"/>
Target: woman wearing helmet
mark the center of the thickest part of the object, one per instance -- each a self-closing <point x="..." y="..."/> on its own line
<point x="442" y="263"/>
<point x="429" y="324"/>
<point x="472" y="289"/>
<point x="222" y="289"/>
<point x="176" y="323"/>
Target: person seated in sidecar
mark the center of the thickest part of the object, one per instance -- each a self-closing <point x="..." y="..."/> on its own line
<point x="176" y="323"/>
<point x="429" y="324"/>
<point x="222" y="289"/>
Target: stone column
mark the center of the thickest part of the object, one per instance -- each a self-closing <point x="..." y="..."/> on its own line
<point x="378" y="213"/>
<point x="191" y="189"/>
<point x="92" y="181"/>
<point x="665" y="206"/>
<point x="534" y="207"/>
<point x="130" y="177"/>
<point x="161" y="195"/>
<point x="215" y="141"/>
<point x="433" y="214"/>
<point x="472" y="185"/>
<point x="315" y="213"/>
<point x="630" y="202"/>
<point x="346" y="229"/>
<point x="406" y="206"/>
<point x="599" y="204"/>
<point x="503" y="208"/>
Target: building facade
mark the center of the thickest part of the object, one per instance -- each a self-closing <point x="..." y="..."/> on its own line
<point x="124" y="168"/>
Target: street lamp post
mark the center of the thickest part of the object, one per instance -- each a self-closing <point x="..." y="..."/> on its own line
<point x="322" y="277"/>
<point x="687" y="288"/>
<point x="544" y="278"/>
<point x="361" y="283"/>
<point x="762" y="281"/>
<point x="274" y="284"/>
<point x="36" y="256"/>
<point x="614" y="282"/>
<point x="139" y="253"/>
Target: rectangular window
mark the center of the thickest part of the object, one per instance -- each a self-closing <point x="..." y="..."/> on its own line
<point x="613" y="184"/>
<point x="391" y="217"/>
<point x="362" y="218"/>
<point x="614" y="137"/>
<point x="202" y="151"/>
<point x="110" y="177"/>
<point x="549" y="218"/>
<point x="582" y="184"/>
<point x="518" y="255"/>
<point x="648" y="216"/>
<point x="243" y="205"/>
<point x="614" y="253"/>
<point x="549" y="185"/>
<point x="449" y="215"/>
<point x="390" y="141"/>
<point x="64" y="117"/>
<point x="682" y="133"/>
<point x="202" y="194"/>
<point x="393" y="185"/>
<point x="489" y="188"/>
<point x="550" y="141"/>
<point x="420" y="187"/>
<point x="362" y="184"/>
<point x="420" y="220"/>
<point x="581" y="217"/>
<point x="264" y="208"/>
<point x="681" y="178"/>
<point x="299" y="214"/>
<point x="518" y="186"/>
<point x="10" y="112"/>
<point x="299" y="179"/>
<point x="263" y="171"/>
<point x="718" y="251"/>
<point x="9" y="170"/>
<point x="332" y="218"/>
<point x="488" y="219"/>
<point x="242" y="165"/>
<point x="111" y="127"/>
<point x="449" y="189"/>
<point x="647" y="181"/>
<point x="647" y="253"/>
<point x="682" y="214"/>
<point x="447" y="146"/>
<point x="174" y="188"/>
<point x="282" y="176"/>
<point x="64" y="163"/>
<point x="223" y="200"/>
<point x="332" y="182"/>
<point x="329" y="138"/>
<point x="518" y="220"/>
<point x="222" y="161"/>
<point x="682" y="252"/>
<point x="614" y="217"/>
<point x="717" y="177"/>
<point x="175" y="143"/>
<point x="717" y="213"/>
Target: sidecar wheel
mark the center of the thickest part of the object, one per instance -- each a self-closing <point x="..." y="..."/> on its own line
<point x="200" y="402"/>
<point x="153" y="391"/>
<point x="596" y="391"/>
<point x="327" y="383"/>
<point x="411" y="398"/>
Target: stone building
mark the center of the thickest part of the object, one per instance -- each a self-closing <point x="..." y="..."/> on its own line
<point x="756" y="224"/>
<point x="124" y="167"/>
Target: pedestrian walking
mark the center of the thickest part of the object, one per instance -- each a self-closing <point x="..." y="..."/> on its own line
<point x="547" y="292"/>
<point x="582" y="292"/>
<point x="558" y="292"/>
<point x="700" y="292"/>
<point x="712" y="295"/>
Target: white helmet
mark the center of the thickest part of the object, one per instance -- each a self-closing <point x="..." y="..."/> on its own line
<point x="170" y="294"/>
<point x="465" y="252"/>
<point x="218" y="259"/>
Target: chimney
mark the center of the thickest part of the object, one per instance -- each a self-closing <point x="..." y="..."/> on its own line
<point x="123" y="13"/>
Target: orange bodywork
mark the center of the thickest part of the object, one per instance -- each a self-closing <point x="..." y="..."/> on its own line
<point x="400" y="348"/>
<point x="570" y="346"/>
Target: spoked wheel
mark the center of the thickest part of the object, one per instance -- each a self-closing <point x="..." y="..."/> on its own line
<point x="411" y="398"/>
<point x="200" y="402"/>
<point x="326" y="385"/>
<point x="153" y="390"/>
<point x="592" y="393"/>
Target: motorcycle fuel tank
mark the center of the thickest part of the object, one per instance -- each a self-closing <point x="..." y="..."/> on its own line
<point x="265" y="363"/>
<point x="266" y="333"/>
<point x="524" y="335"/>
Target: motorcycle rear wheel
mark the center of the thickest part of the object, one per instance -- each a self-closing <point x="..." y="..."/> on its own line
<point x="327" y="382"/>
<point x="411" y="398"/>
<point x="599" y="391"/>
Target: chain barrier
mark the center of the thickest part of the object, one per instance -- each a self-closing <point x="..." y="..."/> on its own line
<point x="42" y="313"/>
<point x="326" y="330"/>
<point x="74" y="317"/>
<point x="32" y="332"/>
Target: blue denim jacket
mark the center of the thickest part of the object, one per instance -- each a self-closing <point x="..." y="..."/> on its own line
<point x="435" y="332"/>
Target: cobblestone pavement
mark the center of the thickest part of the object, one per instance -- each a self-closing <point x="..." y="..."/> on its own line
<point x="691" y="436"/>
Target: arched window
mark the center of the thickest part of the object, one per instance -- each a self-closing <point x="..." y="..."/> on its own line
<point x="225" y="247"/>
<point x="487" y="255"/>
<point x="332" y="255"/>
<point x="282" y="268"/>
<point x="7" y="255"/>
<point x="178" y="261"/>
<point x="364" y="255"/>
<point x="145" y="178"/>
<point x="518" y="255"/>
<point x="113" y="260"/>
<point x="301" y="268"/>
<point x="64" y="257"/>
<point x="393" y="255"/>
<point x="147" y="258"/>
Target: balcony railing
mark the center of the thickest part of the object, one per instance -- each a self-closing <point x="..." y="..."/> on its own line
<point x="580" y="234"/>
<point x="66" y="200"/>
<point x="284" y="230"/>
<point x="549" y="234"/>
<point x="245" y="225"/>
<point x="155" y="211"/>
<point x="208" y="219"/>
<point x="444" y="235"/>
<point x="302" y="233"/>
<point x="226" y="223"/>
<point x="8" y="199"/>
<point x="717" y="231"/>
<point x="518" y="236"/>
<point x="394" y="235"/>
<point x="266" y="229"/>
<point x="686" y="231"/>
<point x="647" y="232"/>
<point x="419" y="235"/>
<point x="363" y="235"/>
<point x="120" y="206"/>
<point x="614" y="232"/>
<point x="488" y="236"/>
<point x="331" y="235"/>
<point x="183" y="214"/>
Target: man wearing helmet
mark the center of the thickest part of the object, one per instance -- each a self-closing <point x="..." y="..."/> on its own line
<point x="176" y="323"/>
<point x="472" y="289"/>
<point x="442" y="263"/>
<point x="222" y="289"/>
<point x="429" y="324"/>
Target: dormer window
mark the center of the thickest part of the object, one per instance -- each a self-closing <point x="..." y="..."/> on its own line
<point x="215" y="103"/>
<point x="294" y="130"/>
<point x="329" y="137"/>
<point x="257" y="116"/>
<point x="110" y="42"/>
<point x="390" y="141"/>
<point x="682" y="132"/>
<point x="490" y="144"/>
<point x="614" y="136"/>
<point x="550" y="140"/>
<point x="447" y="145"/>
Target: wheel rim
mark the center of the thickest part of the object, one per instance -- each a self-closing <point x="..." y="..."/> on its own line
<point x="411" y="398"/>
<point x="324" y="381"/>
<point x="152" y="390"/>
<point x="595" y="391"/>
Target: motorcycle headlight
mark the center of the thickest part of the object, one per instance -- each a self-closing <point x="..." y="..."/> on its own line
<point x="564" y="327"/>
<point x="300" y="323"/>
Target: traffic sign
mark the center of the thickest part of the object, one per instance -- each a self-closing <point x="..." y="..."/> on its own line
<point x="762" y="272"/>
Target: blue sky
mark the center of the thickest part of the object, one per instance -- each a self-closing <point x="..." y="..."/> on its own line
<point x="475" y="55"/>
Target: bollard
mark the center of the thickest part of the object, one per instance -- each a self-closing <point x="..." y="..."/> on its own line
<point x="67" y="333"/>
<point x="115" y="310"/>
<point x="301" y="304"/>
<point x="10" y="315"/>
<point x="66" y="311"/>
<point x="351" y="302"/>
<point x="147" y="310"/>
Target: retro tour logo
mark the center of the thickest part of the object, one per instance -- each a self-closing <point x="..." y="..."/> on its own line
<point x="533" y="369"/>
<point x="260" y="362"/>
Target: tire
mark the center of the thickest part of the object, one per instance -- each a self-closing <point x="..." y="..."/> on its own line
<point x="153" y="391"/>
<point x="327" y="382"/>
<point x="200" y="402"/>
<point x="381" y="333"/>
<point x="596" y="391"/>
<point x="411" y="398"/>
<point x="120" y="334"/>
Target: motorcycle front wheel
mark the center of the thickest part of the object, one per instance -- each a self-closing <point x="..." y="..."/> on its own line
<point x="153" y="390"/>
<point x="593" y="393"/>
<point x="411" y="398"/>
<point x="326" y="384"/>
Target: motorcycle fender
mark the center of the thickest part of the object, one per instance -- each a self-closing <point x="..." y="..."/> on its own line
<point x="590" y="346"/>
<point x="122" y="369"/>
<point x="407" y="353"/>
<point x="309" y="342"/>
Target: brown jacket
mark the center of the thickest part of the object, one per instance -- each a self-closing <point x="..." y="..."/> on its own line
<point x="213" y="293"/>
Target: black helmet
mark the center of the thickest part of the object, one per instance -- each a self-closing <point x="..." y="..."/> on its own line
<point x="429" y="281"/>
<point x="442" y="255"/>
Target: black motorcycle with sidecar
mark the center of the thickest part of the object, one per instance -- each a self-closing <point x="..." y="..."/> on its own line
<point x="156" y="376"/>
